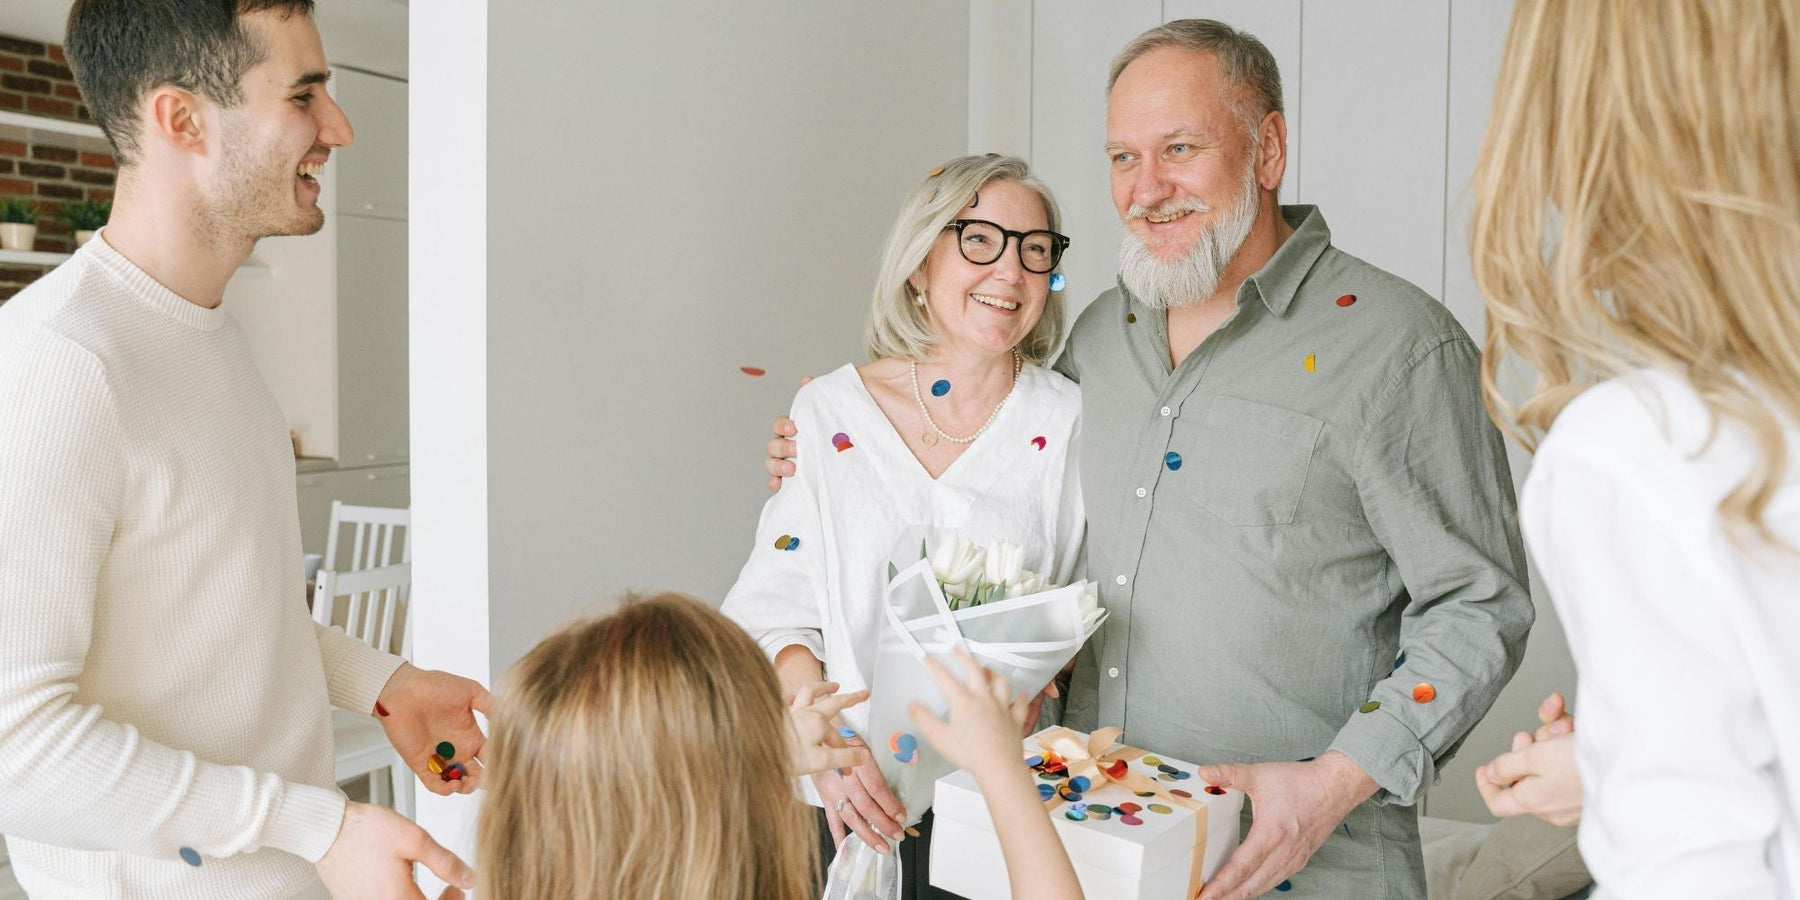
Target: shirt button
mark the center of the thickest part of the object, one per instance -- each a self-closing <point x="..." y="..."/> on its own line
<point x="1142" y="493"/>
<point x="1165" y="411"/>
<point x="1119" y="581"/>
<point x="1112" y="672"/>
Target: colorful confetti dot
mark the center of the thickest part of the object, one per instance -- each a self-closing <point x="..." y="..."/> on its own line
<point x="753" y="371"/>
<point x="1285" y="886"/>
<point x="1167" y="777"/>
<point x="1045" y="792"/>
<point x="1165" y="767"/>
<point x="1130" y="819"/>
<point x="841" y="441"/>
<point x="940" y="387"/>
<point x="1039" y="441"/>
<point x="1346" y="300"/>
<point x="190" y="856"/>
<point x="1145" y="793"/>
<point x="1215" y="790"/>
<point x="1153" y="761"/>
<point x="1369" y="707"/>
<point x="901" y="742"/>
<point x="1181" y="793"/>
<point x="1160" y="809"/>
<point x="446" y="750"/>
<point x="1128" y="808"/>
<point x="1118" y="769"/>
<point x="435" y="763"/>
<point x="380" y="710"/>
<point x="1423" y="692"/>
<point x="910" y="757"/>
<point x="1049" y="776"/>
<point x="1098" y="816"/>
<point x="1058" y="282"/>
<point x="935" y="172"/>
<point x="1131" y="317"/>
<point x="1075" y="815"/>
<point x="1099" y="808"/>
<point x="1400" y="660"/>
<point x="454" y="772"/>
<point x="846" y="733"/>
<point x="1172" y="460"/>
<point x="1034" y="761"/>
<point x="1080" y="784"/>
<point x="1183" y="776"/>
<point x="1312" y="362"/>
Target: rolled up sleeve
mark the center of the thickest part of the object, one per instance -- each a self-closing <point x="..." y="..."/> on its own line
<point x="1432" y="474"/>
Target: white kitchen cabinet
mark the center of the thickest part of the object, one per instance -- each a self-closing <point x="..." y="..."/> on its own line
<point x="380" y="486"/>
<point x="371" y="171"/>
<point x="371" y="341"/>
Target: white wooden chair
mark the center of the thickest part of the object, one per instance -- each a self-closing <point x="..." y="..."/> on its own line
<point x="374" y="531"/>
<point x="371" y="606"/>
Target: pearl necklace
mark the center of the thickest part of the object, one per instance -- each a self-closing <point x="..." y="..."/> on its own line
<point x="930" y="438"/>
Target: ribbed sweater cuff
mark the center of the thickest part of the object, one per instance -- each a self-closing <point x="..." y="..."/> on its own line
<point x="357" y="681"/>
<point x="307" y="823"/>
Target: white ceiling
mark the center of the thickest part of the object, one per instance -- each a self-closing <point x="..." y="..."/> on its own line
<point x="366" y="34"/>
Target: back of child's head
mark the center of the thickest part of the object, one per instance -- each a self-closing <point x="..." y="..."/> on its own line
<point x="643" y="754"/>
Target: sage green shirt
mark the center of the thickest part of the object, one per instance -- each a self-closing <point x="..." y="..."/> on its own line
<point x="1309" y="516"/>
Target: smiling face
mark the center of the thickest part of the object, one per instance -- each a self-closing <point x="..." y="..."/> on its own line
<point x="985" y="310"/>
<point x="1184" y="178"/>
<point x="272" y="145"/>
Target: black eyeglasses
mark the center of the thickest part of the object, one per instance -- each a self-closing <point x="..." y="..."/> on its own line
<point x="982" y="242"/>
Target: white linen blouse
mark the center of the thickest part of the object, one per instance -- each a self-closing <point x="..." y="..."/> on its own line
<point x="859" y="491"/>
<point x="1687" y="645"/>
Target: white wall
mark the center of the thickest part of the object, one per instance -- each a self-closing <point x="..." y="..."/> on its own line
<point x="616" y="207"/>
<point x="1386" y="105"/>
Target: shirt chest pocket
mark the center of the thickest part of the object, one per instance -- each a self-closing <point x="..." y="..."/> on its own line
<point x="1250" y="460"/>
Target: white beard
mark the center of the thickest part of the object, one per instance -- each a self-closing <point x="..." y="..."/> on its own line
<point x="1192" y="278"/>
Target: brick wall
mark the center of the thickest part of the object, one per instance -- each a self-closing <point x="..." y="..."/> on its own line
<point x="35" y="79"/>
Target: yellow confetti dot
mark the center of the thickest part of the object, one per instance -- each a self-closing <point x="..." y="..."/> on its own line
<point x="1311" y="362"/>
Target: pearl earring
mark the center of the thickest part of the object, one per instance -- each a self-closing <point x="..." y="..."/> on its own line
<point x="919" y="299"/>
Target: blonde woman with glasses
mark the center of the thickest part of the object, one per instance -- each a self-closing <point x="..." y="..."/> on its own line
<point x="1637" y="235"/>
<point x="649" y="755"/>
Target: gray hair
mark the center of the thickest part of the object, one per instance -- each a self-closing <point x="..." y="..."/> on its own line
<point x="897" y="327"/>
<point x="1243" y="60"/>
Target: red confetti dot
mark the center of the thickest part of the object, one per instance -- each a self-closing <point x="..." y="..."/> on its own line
<point x="1118" y="769"/>
<point x="380" y="710"/>
<point x="752" y="371"/>
<point x="1346" y="300"/>
<point x="1424" y="693"/>
<point x="1181" y="793"/>
<point x="1039" y="441"/>
<point x="1215" y="790"/>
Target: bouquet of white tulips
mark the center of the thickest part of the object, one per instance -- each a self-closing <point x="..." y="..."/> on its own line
<point x="956" y="593"/>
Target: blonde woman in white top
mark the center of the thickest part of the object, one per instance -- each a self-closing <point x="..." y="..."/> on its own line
<point x="1663" y="508"/>
<point x="953" y="426"/>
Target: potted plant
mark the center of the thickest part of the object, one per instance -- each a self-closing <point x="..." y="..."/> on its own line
<point x="84" y="217"/>
<point x="18" y="224"/>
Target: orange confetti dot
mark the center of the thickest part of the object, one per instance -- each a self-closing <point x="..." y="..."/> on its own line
<point x="752" y="371"/>
<point x="1312" y="362"/>
<point x="1346" y="300"/>
<point x="1424" y="692"/>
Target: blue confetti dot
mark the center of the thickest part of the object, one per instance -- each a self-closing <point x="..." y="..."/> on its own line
<point x="1285" y="886"/>
<point x="940" y="387"/>
<point x="1034" y="761"/>
<point x="1400" y="660"/>
<point x="847" y="732"/>
<point x="1045" y="792"/>
<point x="793" y="544"/>
<point x="908" y="743"/>
<point x="1079" y="784"/>
<point x="1172" y="460"/>
<point x="1057" y="281"/>
<point x="189" y="856"/>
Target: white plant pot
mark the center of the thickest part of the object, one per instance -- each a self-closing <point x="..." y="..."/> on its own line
<point x="82" y="237"/>
<point x="15" y="236"/>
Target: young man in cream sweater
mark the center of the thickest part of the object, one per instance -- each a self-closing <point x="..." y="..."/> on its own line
<point x="165" y="725"/>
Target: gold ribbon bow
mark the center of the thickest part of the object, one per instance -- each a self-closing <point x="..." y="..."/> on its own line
<point x="1093" y="757"/>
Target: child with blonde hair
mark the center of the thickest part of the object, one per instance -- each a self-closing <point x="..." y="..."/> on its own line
<point x="648" y="754"/>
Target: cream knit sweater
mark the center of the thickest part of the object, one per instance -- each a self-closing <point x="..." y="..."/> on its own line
<point x="161" y="684"/>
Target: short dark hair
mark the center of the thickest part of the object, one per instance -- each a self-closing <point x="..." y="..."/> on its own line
<point x="121" y="50"/>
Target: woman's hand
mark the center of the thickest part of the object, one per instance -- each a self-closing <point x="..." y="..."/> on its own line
<point x="985" y="719"/>
<point x="815" y="742"/>
<point x="857" y="798"/>
<point x="1539" y="776"/>
<point x="780" y="463"/>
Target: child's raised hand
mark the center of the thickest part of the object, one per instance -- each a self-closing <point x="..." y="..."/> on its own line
<point x="984" y="723"/>
<point x="816" y="744"/>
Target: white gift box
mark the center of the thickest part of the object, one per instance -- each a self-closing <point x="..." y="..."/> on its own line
<point x="1113" y="859"/>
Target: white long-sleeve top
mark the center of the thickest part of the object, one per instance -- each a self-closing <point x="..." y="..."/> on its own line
<point x="1687" y="645"/>
<point x="850" y="508"/>
<point x="161" y="684"/>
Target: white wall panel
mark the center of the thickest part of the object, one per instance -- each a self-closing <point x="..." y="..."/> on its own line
<point x="1073" y="45"/>
<point x="1277" y="24"/>
<point x="1000" y="46"/>
<point x="1373" y="89"/>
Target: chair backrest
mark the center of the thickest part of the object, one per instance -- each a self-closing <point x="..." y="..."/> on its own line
<point x="374" y="532"/>
<point x="376" y="608"/>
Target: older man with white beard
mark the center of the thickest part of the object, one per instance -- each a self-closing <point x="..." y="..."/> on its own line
<point x="1299" y="514"/>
